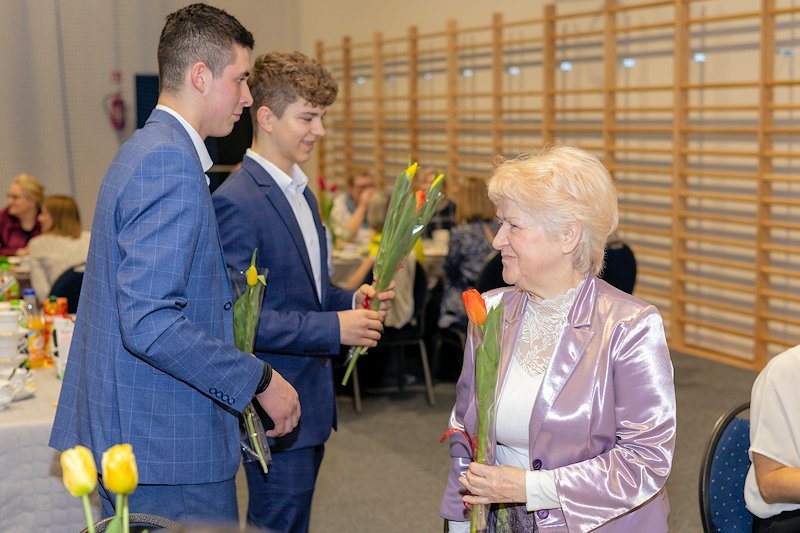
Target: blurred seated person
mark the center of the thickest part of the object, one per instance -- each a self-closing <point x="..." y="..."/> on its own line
<point x="61" y="246"/>
<point x="469" y="249"/>
<point x="349" y="212"/>
<point x="445" y="215"/>
<point x="772" y="487"/>
<point x="619" y="264"/>
<point x="19" y="220"/>
<point x="402" y="309"/>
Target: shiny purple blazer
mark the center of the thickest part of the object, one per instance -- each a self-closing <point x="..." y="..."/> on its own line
<point x="603" y="420"/>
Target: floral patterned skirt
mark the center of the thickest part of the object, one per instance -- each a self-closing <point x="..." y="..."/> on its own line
<point x="505" y="518"/>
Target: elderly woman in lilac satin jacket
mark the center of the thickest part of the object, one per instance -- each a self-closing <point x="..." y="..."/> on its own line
<point x="585" y="420"/>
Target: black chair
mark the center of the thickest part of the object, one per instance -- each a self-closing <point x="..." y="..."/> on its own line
<point x="68" y="285"/>
<point x="491" y="276"/>
<point x="138" y="522"/>
<point x="396" y="340"/>
<point x="722" y="474"/>
<point x="619" y="267"/>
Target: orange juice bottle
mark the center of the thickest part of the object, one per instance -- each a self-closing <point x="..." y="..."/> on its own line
<point x="38" y="355"/>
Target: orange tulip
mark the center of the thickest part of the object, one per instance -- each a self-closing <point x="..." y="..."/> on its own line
<point x="475" y="306"/>
<point x="420" y="199"/>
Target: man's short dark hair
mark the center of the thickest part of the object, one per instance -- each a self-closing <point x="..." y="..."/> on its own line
<point x="279" y="78"/>
<point x="198" y="32"/>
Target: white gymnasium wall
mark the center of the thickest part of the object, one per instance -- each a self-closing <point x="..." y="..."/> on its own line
<point x="57" y="59"/>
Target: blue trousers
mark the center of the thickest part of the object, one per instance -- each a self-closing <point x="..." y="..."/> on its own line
<point x="281" y="501"/>
<point x="202" y="503"/>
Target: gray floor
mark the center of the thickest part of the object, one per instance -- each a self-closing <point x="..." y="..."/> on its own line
<point x="384" y="470"/>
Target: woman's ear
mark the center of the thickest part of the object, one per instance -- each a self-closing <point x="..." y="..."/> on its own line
<point x="571" y="236"/>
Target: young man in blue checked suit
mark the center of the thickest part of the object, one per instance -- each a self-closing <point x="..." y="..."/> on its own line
<point x="152" y="361"/>
<point x="267" y="205"/>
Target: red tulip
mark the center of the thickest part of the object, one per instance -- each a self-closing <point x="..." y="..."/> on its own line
<point x="321" y="183"/>
<point x="475" y="306"/>
<point x="420" y="199"/>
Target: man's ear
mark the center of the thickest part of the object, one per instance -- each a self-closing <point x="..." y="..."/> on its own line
<point x="265" y="118"/>
<point x="571" y="236"/>
<point x="200" y="76"/>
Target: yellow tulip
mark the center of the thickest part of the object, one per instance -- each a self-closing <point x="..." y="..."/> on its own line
<point x="439" y="178"/>
<point x="410" y="171"/>
<point x="252" y="276"/>
<point x="79" y="471"/>
<point x="120" y="474"/>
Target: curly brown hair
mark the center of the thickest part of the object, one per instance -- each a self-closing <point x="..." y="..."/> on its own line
<point x="280" y="78"/>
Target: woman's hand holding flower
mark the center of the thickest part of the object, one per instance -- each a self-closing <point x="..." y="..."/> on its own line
<point x="494" y="484"/>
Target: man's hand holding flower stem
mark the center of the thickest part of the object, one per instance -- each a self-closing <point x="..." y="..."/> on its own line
<point x="362" y="326"/>
<point x="281" y="403"/>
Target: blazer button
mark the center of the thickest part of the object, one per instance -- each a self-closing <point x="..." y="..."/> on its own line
<point x="542" y="513"/>
<point x="537" y="464"/>
<point x="227" y="306"/>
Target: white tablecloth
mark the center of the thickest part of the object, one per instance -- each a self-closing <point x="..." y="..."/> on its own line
<point x="32" y="496"/>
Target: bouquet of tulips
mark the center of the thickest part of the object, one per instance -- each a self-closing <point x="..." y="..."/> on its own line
<point x="120" y="476"/>
<point x="246" y="314"/>
<point x="487" y="361"/>
<point x="408" y="213"/>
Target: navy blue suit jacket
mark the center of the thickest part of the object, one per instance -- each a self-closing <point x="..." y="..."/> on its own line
<point x="152" y="361"/>
<point x="298" y="333"/>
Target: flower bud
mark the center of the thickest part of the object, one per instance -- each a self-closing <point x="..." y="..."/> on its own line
<point x="475" y="306"/>
<point x="120" y="474"/>
<point x="78" y="471"/>
<point x="420" y="199"/>
<point x="252" y="276"/>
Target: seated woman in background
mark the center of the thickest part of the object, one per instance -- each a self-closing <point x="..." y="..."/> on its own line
<point x="61" y="246"/>
<point x="585" y="403"/>
<point x="469" y="248"/>
<point x="772" y="487"/>
<point x="619" y="264"/>
<point x="19" y="220"/>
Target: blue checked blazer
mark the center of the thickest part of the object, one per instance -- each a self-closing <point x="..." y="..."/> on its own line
<point x="152" y="361"/>
<point x="298" y="334"/>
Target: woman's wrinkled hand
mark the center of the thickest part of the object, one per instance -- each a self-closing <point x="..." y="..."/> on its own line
<point x="494" y="484"/>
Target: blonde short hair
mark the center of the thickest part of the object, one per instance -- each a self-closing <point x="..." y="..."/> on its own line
<point x="559" y="185"/>
<point x="31" y="186"/>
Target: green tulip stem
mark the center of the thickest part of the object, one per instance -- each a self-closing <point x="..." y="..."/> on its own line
<point x="87" y="509"/>
<point x="126" y="519"/>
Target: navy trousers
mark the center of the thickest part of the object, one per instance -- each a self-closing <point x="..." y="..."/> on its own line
<point x="281" y="501"/>
<point x="202" y="503"/>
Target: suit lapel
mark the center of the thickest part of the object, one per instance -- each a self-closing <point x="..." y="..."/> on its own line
<point x="323" y="243"/>
<point x="566" y="355"/>
<point x="278" y="200"/>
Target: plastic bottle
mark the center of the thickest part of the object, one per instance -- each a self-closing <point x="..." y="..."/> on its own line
<point x="9" y="288"/>
<point x="38" y="352"/>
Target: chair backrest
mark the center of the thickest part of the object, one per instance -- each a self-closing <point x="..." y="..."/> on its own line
<point x="722" y="474"/>
<point x="491" y="275"/>
<point x="69" y="285"/>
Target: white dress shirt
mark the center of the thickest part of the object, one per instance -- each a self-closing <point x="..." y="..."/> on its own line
<point x="293" y="187"/>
